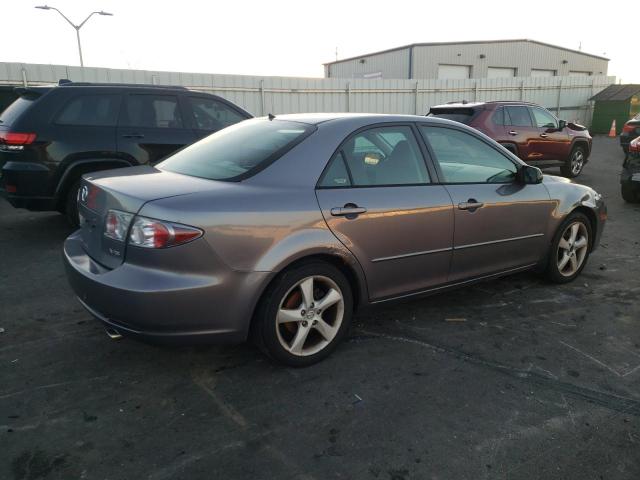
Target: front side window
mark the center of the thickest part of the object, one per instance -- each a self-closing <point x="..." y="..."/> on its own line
<point x="517" y="116"/>
<point x="543" y="118"/>
<point x="463" y="158"/>
<point x="152" y="111"/>
<point x="378" y="157"/>
<point x="238" y="151"/>
<point x="91" y="110"/>
<point x="211" y="114"/>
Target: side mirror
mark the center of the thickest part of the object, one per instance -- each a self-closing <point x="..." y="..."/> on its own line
<point x="562" y="124"/>
<point x="530" y="175"/>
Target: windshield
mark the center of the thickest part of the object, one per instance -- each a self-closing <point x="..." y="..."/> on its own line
<point x="238" y="151"/>
<point x="13" y="111"/>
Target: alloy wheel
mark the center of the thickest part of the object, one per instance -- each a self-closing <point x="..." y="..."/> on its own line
<point x="577" y="161"/>
<point x="309" y="315"/>
<point x="572" y="249"/>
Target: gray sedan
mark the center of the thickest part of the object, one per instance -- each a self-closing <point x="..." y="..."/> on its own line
<point x="278" y="228"/>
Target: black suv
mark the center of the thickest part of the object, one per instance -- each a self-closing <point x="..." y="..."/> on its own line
<point x="52" y="135"/>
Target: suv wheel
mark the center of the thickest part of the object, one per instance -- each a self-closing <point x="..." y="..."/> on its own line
<point x="629" y="194"/>
<point x="570" y="249"/>
<point x="575" y="164"/>
<point x="304" y="315"/>
<point x="71" y="205"/>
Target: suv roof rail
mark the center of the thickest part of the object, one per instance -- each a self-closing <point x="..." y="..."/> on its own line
<point x="64" y="82"/>
<point x="464" y="102"/>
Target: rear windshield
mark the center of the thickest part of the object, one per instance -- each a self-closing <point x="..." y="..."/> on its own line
<point x="238" y="151"/>
<point x="462" y="115"/>
<point x="13" y="111"/>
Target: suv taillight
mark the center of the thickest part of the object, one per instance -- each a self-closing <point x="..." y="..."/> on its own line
<point x="16" y="138"/>
<point x="629" y="128"/>
<point x="147" y="232"/>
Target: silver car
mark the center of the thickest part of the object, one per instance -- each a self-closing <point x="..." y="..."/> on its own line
<point x="278" y="228"/>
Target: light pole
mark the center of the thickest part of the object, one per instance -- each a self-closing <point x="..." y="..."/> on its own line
<point x="77" y="27"/>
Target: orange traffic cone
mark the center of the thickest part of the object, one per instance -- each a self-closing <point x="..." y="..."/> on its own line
<point x="612" y="131"/>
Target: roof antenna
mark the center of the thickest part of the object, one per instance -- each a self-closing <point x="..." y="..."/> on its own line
<point x="271" y="116"/>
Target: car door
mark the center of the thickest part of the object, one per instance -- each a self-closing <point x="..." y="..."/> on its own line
<point x="208" y="115"/>
<point x="519" y="129"/>
<point x="378" y="198"/>
<point x="500" y="223"/>
<point x="151" y="127"/>
<point x="553" y="144"/>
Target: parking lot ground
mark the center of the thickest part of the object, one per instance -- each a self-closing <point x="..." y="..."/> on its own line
<point x="508" y="379"/>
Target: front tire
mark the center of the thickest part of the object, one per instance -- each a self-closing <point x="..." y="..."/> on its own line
<point x="304" y="314"/>
<point x="570" y="249"/>
<point x="574" y="165"/>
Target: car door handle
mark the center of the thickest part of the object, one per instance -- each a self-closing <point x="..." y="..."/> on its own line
<point x="544" y="135"/>
<point x="512" y="132"/>
<point x="133" y="135"/>
<point x="470" y="204"/>
<point x="347" y="210"/>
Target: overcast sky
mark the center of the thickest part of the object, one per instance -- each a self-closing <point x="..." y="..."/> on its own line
<point x="294" y="38"/>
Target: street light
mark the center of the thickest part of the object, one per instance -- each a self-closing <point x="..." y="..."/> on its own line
<point x="77" y="27"/>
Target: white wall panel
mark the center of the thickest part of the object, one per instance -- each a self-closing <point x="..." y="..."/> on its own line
<point x="565" y="96"/>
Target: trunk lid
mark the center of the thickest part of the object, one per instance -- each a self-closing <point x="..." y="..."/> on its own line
<point x="125" y="190"/>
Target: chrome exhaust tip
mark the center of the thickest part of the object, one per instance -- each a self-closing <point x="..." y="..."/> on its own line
<point x="113" y="333"/>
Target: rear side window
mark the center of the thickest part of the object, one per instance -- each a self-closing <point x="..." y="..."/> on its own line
<point x="498" y="116"/>
<point x="383" y="156"/>
<point x="90" y="110"/>
<point x="152" y="111"/>
<point x="462" y="115"/>
<point x="238" y="151"/>
<point x="336" y="175"/>
<point x="211" y="114"/>
<point x="13" y="111"/>
<point x="518" y="116"/>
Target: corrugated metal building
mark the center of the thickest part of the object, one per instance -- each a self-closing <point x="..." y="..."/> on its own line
<point x="463" y="60"/>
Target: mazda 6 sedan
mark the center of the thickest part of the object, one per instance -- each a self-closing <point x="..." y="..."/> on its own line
<point x="278" y="228"/>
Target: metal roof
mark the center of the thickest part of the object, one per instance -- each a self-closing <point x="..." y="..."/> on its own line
<point x="432" y="44"/>
<point x="617" y="92"/>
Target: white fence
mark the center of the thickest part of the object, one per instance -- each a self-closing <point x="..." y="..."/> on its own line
<point x="568" y="97"/>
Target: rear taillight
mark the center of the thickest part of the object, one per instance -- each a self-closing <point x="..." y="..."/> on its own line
<point x="147" y="232"/>
<point x="150" y="233"/>
<point x="629" y="128"/>
<point x="15" y="138"/>
<point x="117" y="225"/>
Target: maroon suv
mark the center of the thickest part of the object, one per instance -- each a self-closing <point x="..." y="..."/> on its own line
<point x="530" y="131"/>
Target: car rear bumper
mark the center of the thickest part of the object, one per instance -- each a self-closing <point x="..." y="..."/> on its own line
<point x="164" y="306"/>
<point x="26" y="185"/>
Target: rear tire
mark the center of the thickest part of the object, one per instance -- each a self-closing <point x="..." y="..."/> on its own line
<point x="629" y="194"/>
<point x="569" y="249"/>
<point x="304" y="314"/>
<point x="71" y="205"/>
<point x="575" y="163"/>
